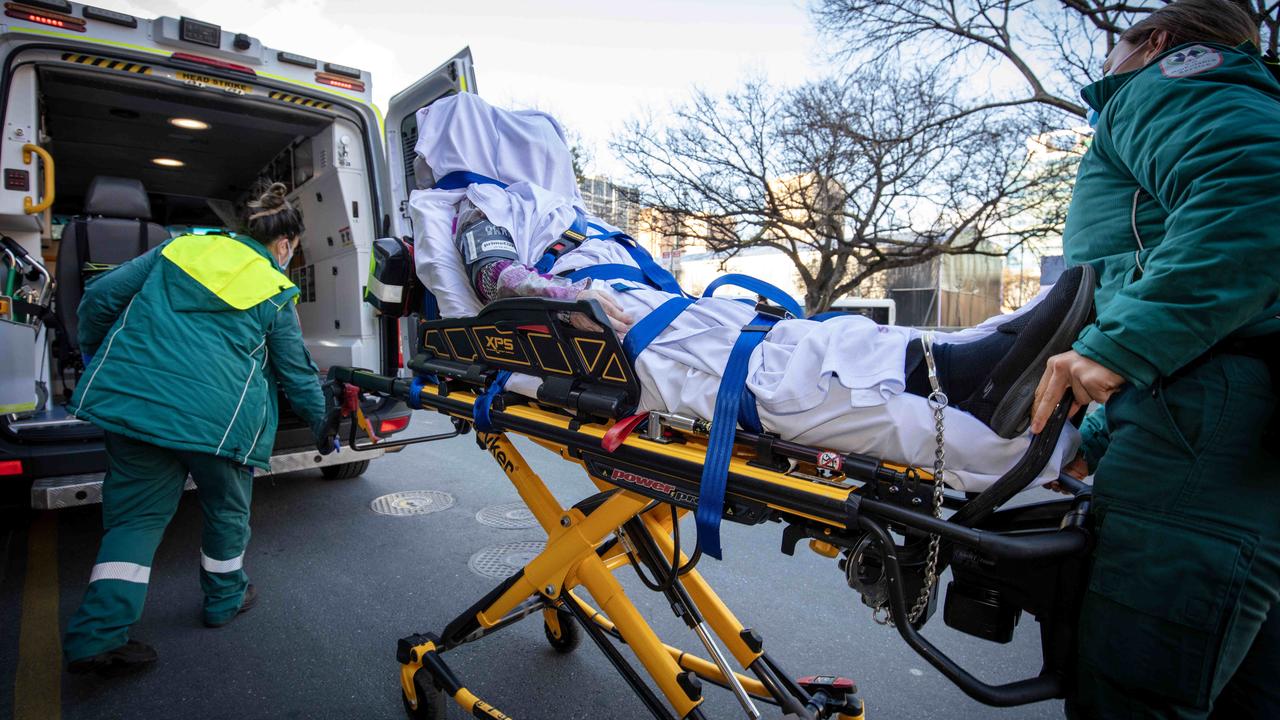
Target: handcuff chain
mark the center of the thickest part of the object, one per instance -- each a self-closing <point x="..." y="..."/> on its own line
<point x="938" y="403"/>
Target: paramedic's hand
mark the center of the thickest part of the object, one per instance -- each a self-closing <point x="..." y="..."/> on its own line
<point x="327" y="440"/>
<point x="1089" y="382"/>
<point x="619" y="319"/>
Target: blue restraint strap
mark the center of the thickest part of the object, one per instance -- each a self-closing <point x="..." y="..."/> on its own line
<point x="480" y="411"/>
<point x="772" y="293"/>
<point x="459" y="179"/>
<point x="653" y="274"/>
<point x="415" y="393"/>
<point x="748" y="417"/>
<point x="579" y="227"/>
<point x="544" y="265"/>
<point x="724" y="421"/>
<point x="652" y="325"/>
<point x="610" y="271"/>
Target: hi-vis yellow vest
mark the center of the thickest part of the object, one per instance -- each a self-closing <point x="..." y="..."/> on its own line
<point x="228" y="268"/>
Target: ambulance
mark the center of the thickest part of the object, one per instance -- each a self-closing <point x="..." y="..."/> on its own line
<point x="120" y="132"/>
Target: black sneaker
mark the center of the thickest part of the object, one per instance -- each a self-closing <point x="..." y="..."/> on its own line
<point x="246" y="604"/>
<point x="128" y="658"/>
<point x="1004" y="401"/>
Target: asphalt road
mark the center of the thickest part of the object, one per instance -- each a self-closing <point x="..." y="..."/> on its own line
<point x="339" y="583"/>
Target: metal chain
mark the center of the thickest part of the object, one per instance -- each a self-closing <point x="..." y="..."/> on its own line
<point x="938" y="403"/>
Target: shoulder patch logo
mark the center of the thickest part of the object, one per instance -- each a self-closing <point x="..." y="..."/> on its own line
<point x="1190" y="61"/>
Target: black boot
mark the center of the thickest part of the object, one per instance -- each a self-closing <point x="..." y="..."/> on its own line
<point x="128" y="658"/>
<point x="995" y="379"/>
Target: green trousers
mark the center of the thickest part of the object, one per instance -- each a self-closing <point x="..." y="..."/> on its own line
<point x="139" y="496"/>
<point x="1180" y="611"/>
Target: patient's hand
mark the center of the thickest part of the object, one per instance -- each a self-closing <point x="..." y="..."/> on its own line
<point x="1078" y="468"/>
<point x="618" y="318"/>
<point x="1088" y="380"/>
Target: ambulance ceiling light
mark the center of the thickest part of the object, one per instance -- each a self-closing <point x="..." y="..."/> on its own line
<point x="167" y="162"/>
<point x="188" y="123"/>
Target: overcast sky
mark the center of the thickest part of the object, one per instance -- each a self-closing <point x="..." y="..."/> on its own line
<point x="592" y="64"/>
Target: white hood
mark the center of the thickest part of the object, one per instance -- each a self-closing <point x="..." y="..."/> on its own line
<point x="463" y="132"/>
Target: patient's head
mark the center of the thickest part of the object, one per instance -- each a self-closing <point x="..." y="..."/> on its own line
<point x="273" y="221"/>
<point x="1181" y="22"/>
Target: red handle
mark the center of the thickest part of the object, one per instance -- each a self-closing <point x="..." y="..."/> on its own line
<point x="617" y="434"/>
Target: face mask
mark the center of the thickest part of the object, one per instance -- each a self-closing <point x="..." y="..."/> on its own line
<point x="289" y="247"/>
<point x="1125" y="59"/>
<point x="1093" y="115"/>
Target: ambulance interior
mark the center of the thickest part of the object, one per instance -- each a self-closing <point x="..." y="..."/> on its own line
<point x="199" y="153"/>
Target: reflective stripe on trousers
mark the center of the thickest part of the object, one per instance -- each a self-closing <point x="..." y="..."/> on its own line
<point x="126" y="571"/>
<point x="221" y="566"/>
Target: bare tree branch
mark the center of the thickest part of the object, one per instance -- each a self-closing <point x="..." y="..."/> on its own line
<point x="844" y="178"/>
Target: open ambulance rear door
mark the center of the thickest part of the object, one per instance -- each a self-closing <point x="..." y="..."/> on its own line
<point x="455" y="76"/>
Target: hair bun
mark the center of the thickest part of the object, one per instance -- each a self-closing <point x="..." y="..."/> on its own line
<point x="273" y="197"/>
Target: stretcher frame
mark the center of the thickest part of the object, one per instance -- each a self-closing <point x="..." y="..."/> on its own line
<point x="632" y="520"/>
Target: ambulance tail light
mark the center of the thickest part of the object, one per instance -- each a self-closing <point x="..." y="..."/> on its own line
<point x="14" y="467"/>
<point x="340" y="82"/>
<point x="210" y="62"/>
<point x="47" y="18"/>
<point x="393" y="425"/>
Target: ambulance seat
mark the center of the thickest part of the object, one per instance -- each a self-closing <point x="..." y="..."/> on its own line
<point x="114" y="228"/>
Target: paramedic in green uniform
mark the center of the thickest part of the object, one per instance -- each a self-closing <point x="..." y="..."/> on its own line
<point x="188" y="345"/>
<point x="1177" y="206"/>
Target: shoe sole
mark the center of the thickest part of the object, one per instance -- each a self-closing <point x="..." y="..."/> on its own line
<point x="1012" y="416"/>
<point x="110" y="670"/>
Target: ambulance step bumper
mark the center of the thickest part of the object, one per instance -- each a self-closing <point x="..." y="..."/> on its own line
<point x="55" y="493"/>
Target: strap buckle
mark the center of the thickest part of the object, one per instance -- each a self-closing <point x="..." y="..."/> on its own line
<point x="764" y="307"/>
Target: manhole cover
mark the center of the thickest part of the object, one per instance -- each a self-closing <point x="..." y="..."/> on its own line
<point x="501" y="561"/>
<point x="412" y="502"/>
<point x="511" y="516"/>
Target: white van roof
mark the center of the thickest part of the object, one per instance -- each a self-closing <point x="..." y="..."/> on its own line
<point x="222" y="54"/>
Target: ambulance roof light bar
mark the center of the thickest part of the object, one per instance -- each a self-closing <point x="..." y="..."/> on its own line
<point x="40" y="16"/>
<point x="339" y="82"/>
<point x="110" y="16"/>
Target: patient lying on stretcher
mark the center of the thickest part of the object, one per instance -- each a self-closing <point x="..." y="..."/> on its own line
<point x="846" y="384"/>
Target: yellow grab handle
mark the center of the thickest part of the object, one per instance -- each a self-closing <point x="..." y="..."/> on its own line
<point x="46" y="199"/>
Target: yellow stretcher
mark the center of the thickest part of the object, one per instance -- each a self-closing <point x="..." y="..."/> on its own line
<point x="875" y="517"/>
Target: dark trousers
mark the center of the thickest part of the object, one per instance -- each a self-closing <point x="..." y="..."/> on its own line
<point x="1179" y="618"/>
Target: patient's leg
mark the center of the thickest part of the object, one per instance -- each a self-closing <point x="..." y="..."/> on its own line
<point x="994" y="379"/>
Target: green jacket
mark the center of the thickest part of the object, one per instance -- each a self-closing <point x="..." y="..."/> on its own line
<point x="188" y="343"/>
<point x="1177" y="206"/>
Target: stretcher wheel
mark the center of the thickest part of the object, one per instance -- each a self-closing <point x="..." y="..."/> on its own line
<point x="431" y="700"/>
<point x="570" y="635"/>
<point x="345" y="471"/>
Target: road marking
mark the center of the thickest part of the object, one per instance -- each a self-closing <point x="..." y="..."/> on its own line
<point x="38" y="683"/>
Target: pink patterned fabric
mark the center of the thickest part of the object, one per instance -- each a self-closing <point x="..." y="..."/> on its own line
<point x="507" y="278"/>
